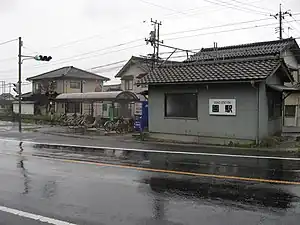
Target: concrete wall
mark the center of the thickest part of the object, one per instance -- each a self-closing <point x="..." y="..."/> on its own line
<point x="26" y="108"/>
<point x="241" y="126"/>
<point x="290" y="59"/>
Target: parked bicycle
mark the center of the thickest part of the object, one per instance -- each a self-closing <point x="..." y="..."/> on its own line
<point x="119" y="125"/>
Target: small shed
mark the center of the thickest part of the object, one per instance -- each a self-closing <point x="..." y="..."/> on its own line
<point x="239" y="100"/>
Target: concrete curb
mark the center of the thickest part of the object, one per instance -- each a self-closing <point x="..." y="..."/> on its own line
<point x="97" y="148"/>
<point x="217" y="146"/>
<point x="287" y="150"/>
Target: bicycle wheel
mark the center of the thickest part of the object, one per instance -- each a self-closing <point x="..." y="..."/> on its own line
<point x="108" y="126"/>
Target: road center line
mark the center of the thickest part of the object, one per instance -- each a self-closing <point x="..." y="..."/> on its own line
<point x="34" y="216"/>
<point x="153" y="150"/>
<point x="174" y="171"/>
<point x="261" y="180"/>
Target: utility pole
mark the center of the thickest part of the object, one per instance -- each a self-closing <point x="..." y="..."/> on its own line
<point x="154" y="40"/>
<point x="9" y="88"/>
<point x="280" y="16"/>
<point x="20" y="83"/>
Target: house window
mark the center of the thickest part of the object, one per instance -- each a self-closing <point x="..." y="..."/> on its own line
<point x="37" y="87"/>
<point x="73" y="107"/>
<point x="181" y="105"/>
<point x="290" y="111"/>
<point x="274" y="104"/>
<point x="128" y="85"/>
<point x="104" y="107"/>
<point x="75" y="84"/>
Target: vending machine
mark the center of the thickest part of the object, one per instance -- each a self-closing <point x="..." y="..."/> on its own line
<point x="141" y="116"/>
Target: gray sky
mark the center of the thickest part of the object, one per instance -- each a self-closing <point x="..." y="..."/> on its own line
<point x="85" y="33"/>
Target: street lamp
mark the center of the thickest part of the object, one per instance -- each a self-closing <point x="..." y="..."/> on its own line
<point x="21" y="59"/>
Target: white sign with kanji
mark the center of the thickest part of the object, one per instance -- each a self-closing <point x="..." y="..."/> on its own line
<point x="225" y="107"/>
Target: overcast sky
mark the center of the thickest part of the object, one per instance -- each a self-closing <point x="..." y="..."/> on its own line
<point x="91" y="33"/>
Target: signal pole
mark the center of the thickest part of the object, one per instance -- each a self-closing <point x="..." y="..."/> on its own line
<point x="20" y="82"/>
<point x="280" y="16"/>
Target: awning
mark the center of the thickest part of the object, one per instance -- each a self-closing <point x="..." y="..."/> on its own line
<point x="114" y="96"/>
<point x="283" y="88"/>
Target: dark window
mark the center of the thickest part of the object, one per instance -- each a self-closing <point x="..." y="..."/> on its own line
<point x="104" y="107"/>
<point x="75" y="84"/>
<point x="290" y="110"/>
<point x="37" y="87"/>
<point x="274" y="104"/>
<point x="73" y="107"/>
<point x="181" y="105"/>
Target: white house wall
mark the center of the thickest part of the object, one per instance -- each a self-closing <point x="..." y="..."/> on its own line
<point x="134" y="70"/>
<point x="293" y="99"/>
<point x="26" y="108"/>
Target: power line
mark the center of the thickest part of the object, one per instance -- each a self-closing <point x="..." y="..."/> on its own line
<point x="32" y="51"/>
<point x="72" y="60"/>
<point x="224" y="31"/>
<point x="105" y="53"/>
<point x="109" y="64"/>
<point x="232" y="6"/>
<point x="101" y="49"/>
<point x="218" y="26"/>
<point x="9" y="41"/>
<point x="108" y="69"/>
<point x="162" y="7"/>
<point x="251" y="5"/>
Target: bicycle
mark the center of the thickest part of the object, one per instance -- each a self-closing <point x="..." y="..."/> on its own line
<point x="119" y="125"/>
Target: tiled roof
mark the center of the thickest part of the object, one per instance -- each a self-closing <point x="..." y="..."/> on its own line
<point x="68" y="72"/>
<point x="244" y="50"/>
<point x="228" y="70"/>
<point x="144" y="63"/>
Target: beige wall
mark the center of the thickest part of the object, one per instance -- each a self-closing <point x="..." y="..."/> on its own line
<point x="293" y="99"/>
<point x="134" y="71"/>
<point x="63" y="86"/>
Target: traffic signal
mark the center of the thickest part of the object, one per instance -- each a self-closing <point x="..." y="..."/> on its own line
<point x="42" y="58"/>
<point x="16" y="88"/>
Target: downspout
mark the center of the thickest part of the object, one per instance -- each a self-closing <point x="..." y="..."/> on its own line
<point x="296" y="112"/>
<point x="81" y="91"/>
<point x="257" y="116"/>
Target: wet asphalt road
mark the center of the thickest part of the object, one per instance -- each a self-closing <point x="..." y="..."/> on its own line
<point x="90" y="194"/>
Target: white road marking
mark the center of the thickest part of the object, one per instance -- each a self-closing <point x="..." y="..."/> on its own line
<point x="34" y="216"/>
<point x="153" y="150"/>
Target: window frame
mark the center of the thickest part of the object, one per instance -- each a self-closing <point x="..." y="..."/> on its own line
<point x="289" y="115"/>
<point x="273" y="105"/>
<point x="127" y="85"/>
<point x="194" y="117"/>
<point x="67" y="108"/>
<point x="75" y="82"/>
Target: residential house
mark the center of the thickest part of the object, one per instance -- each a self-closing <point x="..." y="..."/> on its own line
<point x="6" y="102"/>
<point x="129" y="75"/>
<point x="218" y="101"/>
<point x="65" y="80"/>
<point x="287" y="49"/>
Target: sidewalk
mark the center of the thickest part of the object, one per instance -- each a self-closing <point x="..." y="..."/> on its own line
<point x="126" y="142"/>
